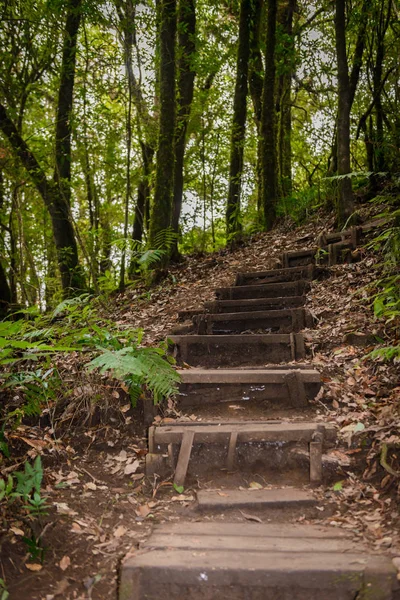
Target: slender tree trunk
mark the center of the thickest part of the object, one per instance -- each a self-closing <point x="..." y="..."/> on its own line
<point x="71" y="274"/>
<point x="59" y="211"/>
<point x="233" y="224"/>
<point x="5" y="291"/>
<point x="161" y="212"/>
<point x="268" y="126"/>
<point x="345" y="200"/>
<point x="185" y="85"/>
<point x="256" y="78"/>
<point x="284" y="100"/>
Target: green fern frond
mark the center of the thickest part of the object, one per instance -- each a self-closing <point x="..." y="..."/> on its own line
<point x="138" y="367"/>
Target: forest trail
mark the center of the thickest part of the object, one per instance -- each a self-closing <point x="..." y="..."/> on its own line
<point x="277" y="437"/>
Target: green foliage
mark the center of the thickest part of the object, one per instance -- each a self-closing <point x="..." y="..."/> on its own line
<point x="4" y="594"/>
<point x="137" y="367"/>
<point x="26" y="486"/>
<point x="34" y="547"/>
<point x="75" y="325"/>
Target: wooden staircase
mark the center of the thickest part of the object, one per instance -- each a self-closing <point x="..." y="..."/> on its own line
<point x="244" y="348"/>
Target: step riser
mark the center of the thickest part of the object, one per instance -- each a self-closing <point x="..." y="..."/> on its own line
<point x="239" y="574"/>
<point x="277" y="276"/>
<point x="273" y="461"/>
<point x="333" y="254"/>
<point x="234" y="351"/>
<point x="275" y="395"/>
<point x="259" y="304"/>
<point x="273" y="290"/>
<point x="279" y="321"/>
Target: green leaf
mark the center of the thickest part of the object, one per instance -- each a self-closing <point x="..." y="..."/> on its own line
<point x="338" y="486"/>
<point x="179" y="488"/>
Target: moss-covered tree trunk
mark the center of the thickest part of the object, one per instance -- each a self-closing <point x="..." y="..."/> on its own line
<point x="233" y="223"/>
<point x="161" y="210"/>
<point x="256" y="78"/>
<point x="64" y="235"/>
<point x="284" y="98"/>
<point x="345" y="199"/>
<point x="268" y="124"/>
<point x="185" y="85"/>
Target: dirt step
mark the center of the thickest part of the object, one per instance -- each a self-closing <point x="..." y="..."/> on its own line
<point x="269" y="290"/>
<point x="273" y="321"/>
<point x="215" y="561"/>
<point x="285" y="387"/>
<point x="238" y="350"/>
<point x="227" y="499"/>
<point x="258" y="444"/>
<point x="307" y="272"/>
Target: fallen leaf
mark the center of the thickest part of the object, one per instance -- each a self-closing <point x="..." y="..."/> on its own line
<point x="251" y="517"/>
<point x="143" y="511"/>
<point x="120" y="531"/>
<point x="17" y="531"/>
<point x="65" y="563"/>
<point x="64" y="509"/>
<point x="90" y="486"/>
<point x="34" y="566"/>
<point x="254" y="485"/>
<point x="132" y="468"/>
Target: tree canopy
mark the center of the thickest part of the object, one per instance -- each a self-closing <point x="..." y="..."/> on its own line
<point x="134" y="132"/>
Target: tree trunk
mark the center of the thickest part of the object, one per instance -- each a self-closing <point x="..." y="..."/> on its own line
<point x="268" y="127"/>
<point x="284" y="100"/>
<point x="161" y="212"/>
<point x="345" y="200"/>
<point x="256" y="77"/>
<point x="71" y="274"/>
<point x="186" y="75"/>
<point x="63" y="231"/>
<point x="233" y="224"/>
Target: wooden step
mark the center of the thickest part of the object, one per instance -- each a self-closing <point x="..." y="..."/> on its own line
<point x="217" y="561"/>
<point x="251" y="304"/>
<point x="238" y="350"/>
<point x="299" y="258"/>
<point x="274" y="321"/>
<point x="244" y="444"/>
<point x="353" y="235"/>
<point x="232" y="499"/>
<point x="332" y="254"/>
<point x="278" y="275"/>
<point x="283" y="387"/>
<point x="269" y="290"/>
<point x="254" y="304"/>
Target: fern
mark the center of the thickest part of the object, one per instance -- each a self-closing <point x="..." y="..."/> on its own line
<point x="137" y="367"/>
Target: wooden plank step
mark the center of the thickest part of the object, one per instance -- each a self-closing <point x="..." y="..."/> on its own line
<point x="332" y="254"/>
<point x="275" y="321"/>
<point x="353" y="235"/>
<point x="238" y="350"/>
<point x="244" y="445"/>
<point x="215" y="561"/>
<point x="253" y="304"/>
<point x="254" y="499"/>
<point x="219" y="433"/>
<point x="307" y="272"/>
<point x="299" y="258"/>
<point x="283" y="530"/>
<point x="285" y="387"/>
<point x="269" y="290"/>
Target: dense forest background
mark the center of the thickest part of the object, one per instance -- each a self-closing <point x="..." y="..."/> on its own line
<point x="134" y="132"/>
